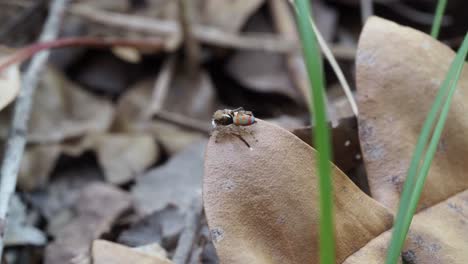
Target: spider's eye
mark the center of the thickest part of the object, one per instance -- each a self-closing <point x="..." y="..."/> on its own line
<point x="225" y="119"/>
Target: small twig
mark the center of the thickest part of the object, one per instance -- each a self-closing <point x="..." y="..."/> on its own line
<point x="161" y="86"/>
<point x="17" y="136"/>
<point x="192" y="47"/>
<point x="28" y="51"/>
<point x="188" y="236"/>
<point x="336" y="68"/>
<point x="209" y="35"/>
<point x="206" y="34"/>
<point x="367" y="10"/>
<point x="285" y="23"/>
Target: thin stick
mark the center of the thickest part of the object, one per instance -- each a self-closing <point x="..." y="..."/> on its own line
<point x="191" y="45"/>
<point x="206" y="34"/>
<point x="161" y="86"/>
<point x="336" y="68"/>
<point x="285" y="23"/>
<point x="192" y="226"/>
<point x="28" y="51"/>
<point x="286" y="26"/>
<point x="17" y="136"/>
<point x="367" y="10"/>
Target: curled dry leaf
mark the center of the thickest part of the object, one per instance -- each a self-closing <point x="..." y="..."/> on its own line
<point x="98" y="206"/>
<point x="37" y="165"/>
<point x="261" y="203"/>
<point x="177" y="182"/>
<point x="228" y="15"/>
<point x="9" y="85"/>
<point x="437" y="235"/>
<point x="132" y="116"/>
<point x="163" y="226"/>
<point x="58" y="111"/>
<point x="105" y="252"/>
<point x="262" y="71"/>
<point x="395" y="92"/>
<point x="123" y="156"/>
<point x="396" y="88"/>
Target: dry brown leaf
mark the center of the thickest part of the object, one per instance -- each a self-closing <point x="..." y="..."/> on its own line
<point x="395" y="92"/>
<point x="97" y="208"/>
<point x="261" y="203"/>
<point x="132" y="116"/>
<point x="105" y="252"/>
<point x="10" y="85"/>
<point x="36" y="166"/>
<point x="399" y="71"/>
<point x="193" y="97"/>
<point x="177" y="182"/>
<point x="228" y="15"/>
<point x="262" y="71"/>
<point x="163" y="226"/>
<point x="437" y="235"/>
<point x="62" y="110"/>
<point x="123" y="156"/>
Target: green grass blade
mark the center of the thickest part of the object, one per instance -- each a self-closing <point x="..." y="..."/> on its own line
<point x="438" y="18"/>
<point x="416" y="178"/>
<point x="322" y="135"/>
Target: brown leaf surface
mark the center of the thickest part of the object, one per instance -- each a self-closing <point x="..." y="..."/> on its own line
<point x="121" y="156"/>
<point x="124" y="156"/>
<point x="10" y="85"/>
<point x="132" y="117"/>
<point x="36" y="166"/>
<point x="399" y="71"/>
<point x="262" y="71"/>
<point x="437" y="235"/>
<point x="261" y="203"/>
<point x="177" y="182"/>
<point x="105" y="252"/>
<point x="62" y="110"/>
<point x="228" y="15"/>
<point x="96" y="209"/>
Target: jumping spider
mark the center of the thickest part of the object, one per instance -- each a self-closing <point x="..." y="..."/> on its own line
<point x="232" y="122"/>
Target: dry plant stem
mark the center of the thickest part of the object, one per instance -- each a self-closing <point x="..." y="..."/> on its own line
<point x="205" y="34"/>
<point x="183" y="121"/>
<point x="209" y="35"/>
<point x="285" y="24"/>
<point x="191" y="45"/>
<point x="16" y="140"/>
<point x="161" y="86"/>
<point x="367" y="10"/>
<point x="28" y="51"/>
<point x="336" y="68"/>
<point x="189" y="235"/>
